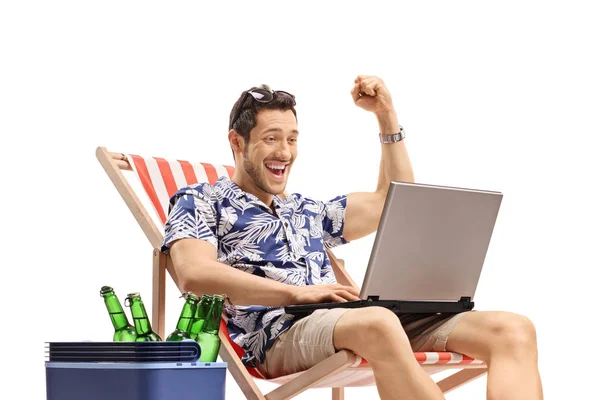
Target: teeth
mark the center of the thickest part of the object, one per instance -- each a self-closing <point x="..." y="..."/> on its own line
<point x="275" y="166"/>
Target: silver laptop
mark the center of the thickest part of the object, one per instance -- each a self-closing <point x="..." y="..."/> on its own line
<point x="428" y="252"/>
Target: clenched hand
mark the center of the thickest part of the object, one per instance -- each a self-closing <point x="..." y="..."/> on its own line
<point x="371" y="94"/>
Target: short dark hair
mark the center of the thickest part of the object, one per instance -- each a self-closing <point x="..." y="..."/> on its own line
<point x="247" y="117"/>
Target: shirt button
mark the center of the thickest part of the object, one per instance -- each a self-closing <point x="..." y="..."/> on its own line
<point x="286" y="224"/>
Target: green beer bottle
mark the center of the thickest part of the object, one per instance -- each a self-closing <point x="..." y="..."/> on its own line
<point x="140" y="319"/>
<point x="185" y="318"/>
<point x="208" y="338"/>
<point x="124" y="331"/>
<point x="200" y="315"/>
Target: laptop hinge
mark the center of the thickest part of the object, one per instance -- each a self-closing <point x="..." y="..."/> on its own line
<point x="464" y="299"/>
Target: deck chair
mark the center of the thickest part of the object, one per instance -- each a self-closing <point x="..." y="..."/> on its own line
<point x="160" y="178"/>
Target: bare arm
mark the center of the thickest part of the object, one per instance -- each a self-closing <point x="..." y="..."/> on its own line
<point x="363" y="209"/>
<point x="195" y="263"/>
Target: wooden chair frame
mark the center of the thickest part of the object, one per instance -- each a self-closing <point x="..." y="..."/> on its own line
<point x="114" y="164"/>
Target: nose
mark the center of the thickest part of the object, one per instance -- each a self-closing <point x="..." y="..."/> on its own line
<point x="283" y="151"/>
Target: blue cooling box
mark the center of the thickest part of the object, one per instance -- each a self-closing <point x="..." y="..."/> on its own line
<point x="131" y="371"/>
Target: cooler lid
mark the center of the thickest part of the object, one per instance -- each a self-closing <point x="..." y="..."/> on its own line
<point x="185" y="351"/>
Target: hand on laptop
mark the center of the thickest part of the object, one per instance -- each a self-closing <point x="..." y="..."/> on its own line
<point x="323" y="294"/>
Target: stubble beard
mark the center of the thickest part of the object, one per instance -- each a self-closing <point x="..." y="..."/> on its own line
<point x="254" y="174"/>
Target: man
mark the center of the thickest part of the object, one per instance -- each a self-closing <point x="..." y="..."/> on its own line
<point x="276" y="245"/>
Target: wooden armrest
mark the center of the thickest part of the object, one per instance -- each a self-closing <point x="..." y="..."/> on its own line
<point x="340" y="272"/>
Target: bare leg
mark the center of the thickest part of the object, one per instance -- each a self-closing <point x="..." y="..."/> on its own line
<point x="376" y="334"/>
<point x="507" y="343"/>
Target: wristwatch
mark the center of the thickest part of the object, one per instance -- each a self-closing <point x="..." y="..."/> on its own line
<point x="392" y="137"/>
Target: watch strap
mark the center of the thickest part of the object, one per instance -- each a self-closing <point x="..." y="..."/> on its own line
<point x="392" y="137"/>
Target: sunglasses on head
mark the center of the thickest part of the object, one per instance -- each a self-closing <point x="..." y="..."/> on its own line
<point x="262" y="96"/>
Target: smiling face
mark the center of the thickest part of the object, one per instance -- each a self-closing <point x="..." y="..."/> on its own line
<point x="263" y="162"/>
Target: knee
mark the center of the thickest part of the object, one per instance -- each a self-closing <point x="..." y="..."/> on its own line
<point x="512" y="333"/>
<point x="378" y="328"/>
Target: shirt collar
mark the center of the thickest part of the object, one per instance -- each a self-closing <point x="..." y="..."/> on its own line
<point x="249" y="197"/>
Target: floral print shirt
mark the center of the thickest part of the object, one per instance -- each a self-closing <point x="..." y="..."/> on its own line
<point x="287" y="245"/>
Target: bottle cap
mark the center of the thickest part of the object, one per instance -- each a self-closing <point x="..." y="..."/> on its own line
<point x="134" y="295"/>
<point x="106" y="290"/>
<point x="189" y="295"/>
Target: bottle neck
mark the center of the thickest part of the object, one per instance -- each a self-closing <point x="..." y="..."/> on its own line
<point x="213" y="319"/>
<point x="115" y="310"/>
<point x="201" y="313"/>
<point x="187" y="313"/>
<point x="140" y="317"/>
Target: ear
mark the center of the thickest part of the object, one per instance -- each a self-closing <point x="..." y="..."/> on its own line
<point x="236" y="141"/>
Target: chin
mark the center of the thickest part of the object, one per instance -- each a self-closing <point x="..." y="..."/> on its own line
<point x="277" y="189"/>
<point x="274" y="188"/>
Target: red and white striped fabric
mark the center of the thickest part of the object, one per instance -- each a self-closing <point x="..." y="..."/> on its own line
<point x="161" y="178"/>
<point x="361" y="374"/>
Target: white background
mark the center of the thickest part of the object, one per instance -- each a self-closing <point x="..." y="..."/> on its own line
<point x="500" y="96"/>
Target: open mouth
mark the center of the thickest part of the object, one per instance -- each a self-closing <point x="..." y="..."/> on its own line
<point x="277" y="170"/>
